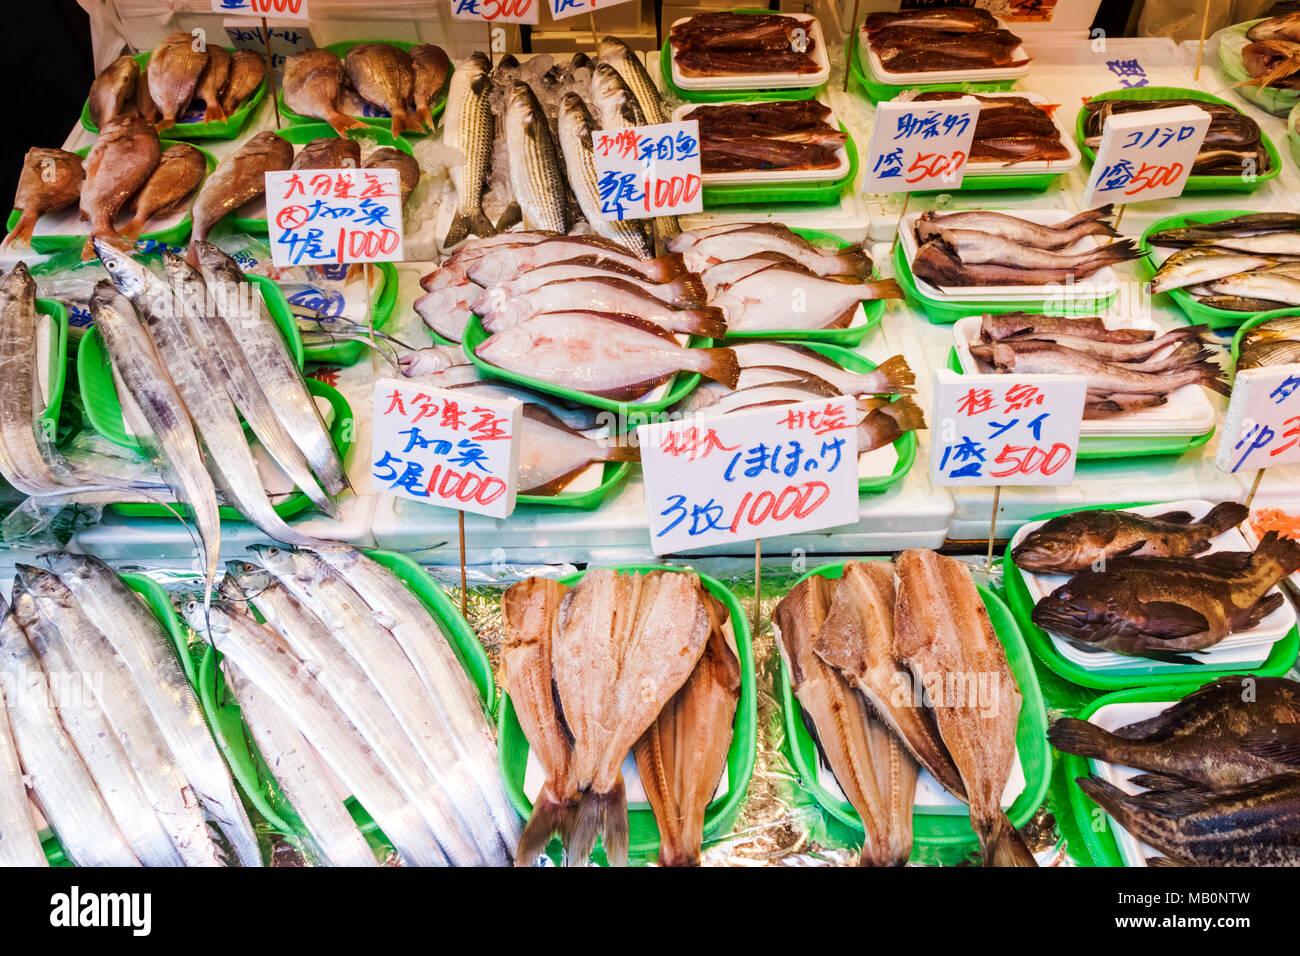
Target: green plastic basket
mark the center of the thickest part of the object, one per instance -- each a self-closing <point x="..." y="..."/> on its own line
<point x="1195" y="183"/>
<point x="176" y="235"/>
<point x="1280" y="658"/>
<point x="946" y="313"/>
<point x="1194" y="310"/>
<point x="230" y="129"/>
<point x="1259" y="319"/>
<point x="1276" y="101"/>
<point x="877" y="92"/>
<point x="823" y="192"/>
<point x="381" y="122"/>
<point x="513" y="745"/>
<point x="383" y="303"/>
<point x="939" y="836"/>
<point x="613" y="475"/>
<point x="1106" y="447"/>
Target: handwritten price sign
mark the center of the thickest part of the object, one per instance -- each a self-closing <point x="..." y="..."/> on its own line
<point x="647" y="171"/>
<point x="755" y="474"/>
<point x="917" y="146"/>
<point x="1146" y="155"/>
<point x="334" y="215"/>
<point x="1262" y="426"/>
<point x="445" y="448"/>
<point x="563" y="9"/>
<point x="1006" y="429"/>
<point x="495" y="11"/>
<point x="275" y="9"/>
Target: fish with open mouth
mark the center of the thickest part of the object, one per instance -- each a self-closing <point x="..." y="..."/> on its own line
<point x="51" y="180"/>
<point x="173" y="74"/>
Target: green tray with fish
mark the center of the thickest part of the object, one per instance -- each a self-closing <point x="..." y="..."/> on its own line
<point x="613" y="475"/>
<point x="678" y="387"/>
<point x="176" y="235"/>
<point x="940" y="835"/>
<point x="1231" y="42"/>
<point x="644" y="844"/>
<point x="383" y="121"/>
<point x="823" y="192"/>
<point x="1195" y="183"/>
<point x="57" y="375"/>
<point x="383" y="303"/>
<point x="947" y="313"/>
<point x="1259" y="319"/>
<point x="1280" y="657"/>
<point x="1093" y="447"/>
<point x="255" y="778"/>
<point x="300" y="136"/>
<point x="877" y="92"/>
<point x="230" y="128"/>
<point x="1198" y="313"/>
<point x="1100" y="843"/>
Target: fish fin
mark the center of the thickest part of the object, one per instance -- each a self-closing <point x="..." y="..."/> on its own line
<point x="1073" y="736"/>
<point x="689" y="290"/>
<point x="1277" y="742"/>
<point x="672" y="265"/>
<point x="622" y="453"/>
<point x="1130" y="550"/>
<point x="465" y="223"/>
<point x="857" y="260"/>
<point x="881" y="289"/>
<point x="512" y="215"/>
<point x="549" y="817"/>
<point x="1106" y="795"/>
<point x="1261" y="609"/>
<point x="906" y="413"/>
<point x="1212" y="378"/>
<point x="720" y="365"/>
<point x="845" y="318"/>
<point x="133" y="228"/>
<point x="1006" y="847"/>
<point x="1161" y="781"/>
<point x="584" y="829"/>
<point x="708" y="321"/>
<point x="897" y="374"/>
<point x="1175" y="517"/>
<point x="165" y="123"/>
<point x="214" y="113"/>
<point x="625" y="393"/>
<point x="21" y="237"/>
<point x="1165" y="619"/>
<point x="1227" y="560"/>
<point x="404" y="121"/>
<point x="1088" y="215"/>
<point x="1285" y="551"/>
<point x="341" y="122"/>
<point x="614" y="825"/>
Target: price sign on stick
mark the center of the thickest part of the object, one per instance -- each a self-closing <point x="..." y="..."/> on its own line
<point x="919" y="146"/>
<point x="1262" y="426"/>
<point x="445" y="448"/>
<point x="496" y="11"/>
<point x="274" y="9"/>
<point x="563" y="9"/>
<point x="285" y="40"/>
<point x="741" y="477"/>
<point x="320" y="216"/>
<point x="1146" y="155"/>
<point x="648" y="171"/>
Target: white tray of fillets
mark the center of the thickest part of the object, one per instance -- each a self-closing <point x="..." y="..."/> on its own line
<point x="870" y="61"/>
<point x="761" y="80"/>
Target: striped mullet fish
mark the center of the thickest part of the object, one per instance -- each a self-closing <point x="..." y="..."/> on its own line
<point x="468" y="126"/>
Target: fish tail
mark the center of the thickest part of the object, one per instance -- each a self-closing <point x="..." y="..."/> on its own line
<point x="403" y="121"/>
<point x="512" y="215"/>
<point x="906" y="413"/>
<point x="1089" y="215"/>
<point x="1212" y="378"/>
<point x="167" y="122"/>
<point x="622" y="453"/>
<point x="671" y="266"/>
<point x="1006" y="847"/>
<point x="895" y="376"/>
<point x="855" y="260"/>
<point x="549" y="817"/>
<point x="1225" y="515"/>
<point x="880" y="289"/>
<point x="424" y="116"/>
<point x="719" y="365"/>
<point x="136" y="226"/>
<point x="1284" y="551"/>
<point x="21" y="237"/>
<point x="583" y="829"/>
<point x="1109" y="797"/>
<point x="215" y="113"/>
<point x="1073" y="736"/>
<point x="709" y="321"/>
<point x="341" y="122"/>
<point x="688" y="290"/>
<point x="464" y="223"/>
<point x="614" y="826"/>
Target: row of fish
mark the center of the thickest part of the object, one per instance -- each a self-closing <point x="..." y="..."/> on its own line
<point x="1010" y="129"/>
<point x="1127" y="369"/>
<point x="1272" y="57"/>
<point x="854" y="650"/>
<point x="1233" y="143"/>
<point x="1220" y="774"/>
<point x="1272" y="342"/>
<point x="980" y="247"/>
<point x="98" y="719"/>
<point x="929" y="40"/>
<point x="182" y="71"/>
<point x="733" y="43"/>
<point x="370" y="77"/>
<point x="126" y="170"/>
<point x="619" y="663"/>
<point x="783" y="134"/>
<point x="1246" y="263"/>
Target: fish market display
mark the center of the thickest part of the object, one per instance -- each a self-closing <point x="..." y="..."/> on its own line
<point x="247" y="71"/>
<point x="1272" y="57"/>
<point x="536" y="170"/>
<point x="1273" y="342"/>
<point x="982" y="248"/>
<point x="468" y="127"/>
<point x="1220" y="772"/>
<point x="599" y="669"/>
<point x="50" y="180"/>
<point x="213" y="82"/>
<point x="928" y="40"/>
<point x="853" y="648"/>
<point x="431" y="67"/>
<point x="1248" y="263"/>
<point x="1232" y="144"/>
<point x="740" y="137"/>
<point x="1077" y="541"/>
<point x="1010" y="129"/>
<point x="113" y="90"/>
<point x="1166" y="608"/>
<point x="180" y="170"/>
<point x="313" y="81"/>
<point x="1122" y="376"/>
<point x="742" y="44"/>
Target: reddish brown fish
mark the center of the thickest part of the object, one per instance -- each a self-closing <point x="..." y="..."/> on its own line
<point x="247" y="71"/>
<point x="180" y="170"/>
<point x="173" y="74"/>
<point x="213" y="79"/>
<point x="51" y="179"/>
<point x="119" y="164"/>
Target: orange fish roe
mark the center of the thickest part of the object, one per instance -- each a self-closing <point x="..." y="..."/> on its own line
<point x="1275" y="519"/>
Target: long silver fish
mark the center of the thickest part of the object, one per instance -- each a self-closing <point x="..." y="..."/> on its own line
<point x="146" y="649"/>
<point x="467" y="127"/>
<point x="246" y="316"/>
<point x="20" y="844"/>
<point x="535" y="171"/>
<point x="264" y="659"/>
<point x="92" y="735"/>
<point x="63" y="786"/>
<point x="172" y="442"/>
<point x="86" y="646"/>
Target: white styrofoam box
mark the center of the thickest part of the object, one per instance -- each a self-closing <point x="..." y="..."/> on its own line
<point x="871" y="63"/>
<point x="764" y="81"/>
<point x="758" y="177"/>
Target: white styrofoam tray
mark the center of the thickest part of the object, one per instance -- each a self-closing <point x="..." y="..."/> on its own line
<point x="760" y="177"/>
<point x="1102" y="283"/>
<point x="1065" y="131"/>
<point x="1188" y="411"/>
<point x="878" y="72"/>
<point x="762" y="81"/>
<point x="1243" y="649"/>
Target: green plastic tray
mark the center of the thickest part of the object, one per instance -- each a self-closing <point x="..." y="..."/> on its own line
<point x="679" y="387"/>
<point x="381" y="122"/>
<point x="1195" y="311"/>
<point x="876" y="92"/>
<point x="230" y="129"/>
<point x="513" y="745"/>
<point x="58" y="373"/>
<point x="722" y="96"/>
<point x="1276" y="101"/>
<point x="176" y="235"/>
<point x="247" y="763"/>
<point x="1280" y="658"/>
<point x="1105" y="447"/>
<point x="1101" y="844"/>
<point x="939" y="836"/>
<point x="1194" y="183"/>
<point x="614" y="474"/>
<point x="946" y="313"/>
<point x="384" y="303"/>
<point x="823" y="192"/>
<point x="1259" y="319"/>
<point x="300" y="135"/>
